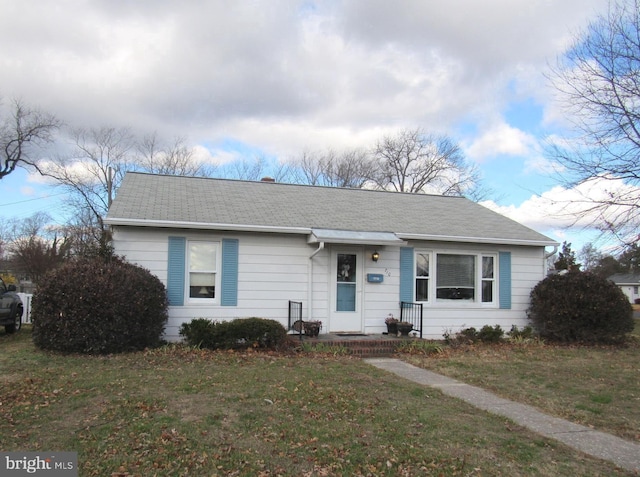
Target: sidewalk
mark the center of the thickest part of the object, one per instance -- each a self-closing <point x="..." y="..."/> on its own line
<point x="622" y="453"/>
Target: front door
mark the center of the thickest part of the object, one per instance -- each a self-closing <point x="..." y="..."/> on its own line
<point x="346" y="304"/>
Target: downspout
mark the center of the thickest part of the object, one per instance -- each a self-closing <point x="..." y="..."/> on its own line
<point x="310" y="281"/>
<point x="547" y="256"/>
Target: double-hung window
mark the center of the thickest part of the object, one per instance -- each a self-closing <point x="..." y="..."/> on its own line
<point x="203" y="269"/>
<point x="422" y="276"/>
<point x="459" y="278"/>
<point x="488" y="278"/>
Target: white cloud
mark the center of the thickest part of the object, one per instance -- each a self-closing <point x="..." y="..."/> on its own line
<point x="208" y="68"/>
<point x="560" y="208"/>
<point x="501" y="139"/>
<point x="27" y="191"/>
<point x="538" y="164"/>
<point x="293" y="74"/>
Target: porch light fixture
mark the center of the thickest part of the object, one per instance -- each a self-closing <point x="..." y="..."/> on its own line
<point x="375" y="256"/>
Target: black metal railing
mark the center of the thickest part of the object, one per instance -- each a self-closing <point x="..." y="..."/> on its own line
<point x="295" y="317"/>
<point x="412" y="313"/>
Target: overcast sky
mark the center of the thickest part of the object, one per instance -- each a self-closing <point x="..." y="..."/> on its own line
<point x="247" y="77"/>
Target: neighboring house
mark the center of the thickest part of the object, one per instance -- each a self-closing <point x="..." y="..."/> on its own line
<point x="629" y="283"/>
<point x="231" y="249"/>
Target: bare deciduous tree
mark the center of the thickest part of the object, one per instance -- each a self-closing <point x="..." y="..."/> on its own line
<point x="174" y="159"/>
<point x="93" y="171"/>
<point x="351" y="168"/>
<point x="256" y="169"/>
<point x="34" y="250"/>
<point x="22" y="131"/>
<point x="589" y="256"/>
<point x="412" y="161"/>
<point x="599" y="82"/>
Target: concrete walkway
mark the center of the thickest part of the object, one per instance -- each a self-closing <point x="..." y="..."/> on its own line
<point x="622" y="453"/>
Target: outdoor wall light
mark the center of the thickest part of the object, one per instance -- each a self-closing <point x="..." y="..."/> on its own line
<point x="375" y="256"/>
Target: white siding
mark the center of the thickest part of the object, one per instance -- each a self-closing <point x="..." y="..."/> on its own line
<point x="631" y="291"/>
<point x="273" y="269"/>
<point x="380" y="299"/>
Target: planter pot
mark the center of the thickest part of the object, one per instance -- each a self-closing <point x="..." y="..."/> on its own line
<point x="392" y="329"/>
<point x="404" y="329"/>
<point x="312" y="329"/>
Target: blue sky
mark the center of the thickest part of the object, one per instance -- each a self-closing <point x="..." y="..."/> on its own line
<point x="249" y="78"/>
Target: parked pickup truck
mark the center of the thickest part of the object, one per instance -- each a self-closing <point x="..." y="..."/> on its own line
<point x="10" y="308"/>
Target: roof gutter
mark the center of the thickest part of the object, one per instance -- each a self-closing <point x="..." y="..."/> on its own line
<point x="486" y="240"/>
<point x="547" y="255"/>
<point x="205" y="226"/>
<point x="116" y="221"/>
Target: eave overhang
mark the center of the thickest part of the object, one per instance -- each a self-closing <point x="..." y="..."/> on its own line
<point x="329" y="235"/>
<point x="354" y="237"/>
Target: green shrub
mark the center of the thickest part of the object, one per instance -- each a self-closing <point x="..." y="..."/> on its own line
<point x="526" y="333"/>
<point x="580" y="307"/>
<point x="235" y="334"/>
<point x="96" y="306"/>
<point x="469" y="335"/>
<point x="487" y="334"/>
<point x="464" y="336"/>
<point x="198" y="332"/>
<point x="491" y="334"/>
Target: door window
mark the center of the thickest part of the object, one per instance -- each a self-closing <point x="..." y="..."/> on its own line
<point x="346" y="282"/>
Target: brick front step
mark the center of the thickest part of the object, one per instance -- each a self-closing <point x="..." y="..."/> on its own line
<point x="368" y="352"/>
<point x="368" y="347"/>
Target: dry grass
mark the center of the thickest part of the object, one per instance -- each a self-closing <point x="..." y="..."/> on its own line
<point x="177" y="411"/>
<point x="594" y="386"/>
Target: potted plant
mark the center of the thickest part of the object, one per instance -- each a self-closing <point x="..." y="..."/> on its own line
<point x="312" y="328"/>
<point x="404" y="327"/>
<point x="392" y="325"/>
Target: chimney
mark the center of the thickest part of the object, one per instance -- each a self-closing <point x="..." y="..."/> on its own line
<point x="267" y="179"/>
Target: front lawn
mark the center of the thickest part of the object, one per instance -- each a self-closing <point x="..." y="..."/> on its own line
<point x="176" y="411"/>
<point x="594" y="386"/>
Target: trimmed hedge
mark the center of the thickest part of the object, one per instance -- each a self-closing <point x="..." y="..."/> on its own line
<point x="580" y="307"/>
<point x="235" y="334"/>
<point x="95" y="306"/>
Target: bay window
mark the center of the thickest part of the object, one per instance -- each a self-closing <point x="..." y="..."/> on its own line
<point x="455" y="277"/>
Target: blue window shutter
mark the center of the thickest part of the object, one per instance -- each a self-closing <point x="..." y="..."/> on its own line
<point x="406" y="274"/>
<point x="229" y="281"/>
<point x="175" y="271"/>
<point x="504" y="262"/>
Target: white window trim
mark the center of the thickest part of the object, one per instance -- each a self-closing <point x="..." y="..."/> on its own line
<point x="477" y="302"/>
<point x="203" y="301"/>
<point x="494" y="302"/>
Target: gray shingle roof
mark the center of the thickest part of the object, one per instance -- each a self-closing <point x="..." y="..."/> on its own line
<point x="625" y="278"/>
<point x="173" y="201"/>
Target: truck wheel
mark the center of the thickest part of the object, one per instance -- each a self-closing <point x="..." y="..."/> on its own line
<point x="17" y="322"/>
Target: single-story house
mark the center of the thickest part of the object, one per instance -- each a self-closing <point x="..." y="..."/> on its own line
<point x="629" y="283"/>
<point x="230" y="249"/>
